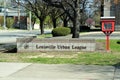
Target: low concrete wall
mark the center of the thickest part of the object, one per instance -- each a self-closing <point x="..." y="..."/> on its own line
<point x="8" y="47"/>
<point x="37" y="45"/>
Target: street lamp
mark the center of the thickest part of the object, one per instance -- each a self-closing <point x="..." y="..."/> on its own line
<point x="4" y="26"/>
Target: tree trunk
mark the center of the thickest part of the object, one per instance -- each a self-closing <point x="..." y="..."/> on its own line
<point x="41" y="26"/>
<point x="75" y="33"/>
<point x="65" y="23"/>
<point x="76" y="21"/>
<point x="54" y="23"/>
<point x="33" y="23"/>
<point x="102" y="8"/>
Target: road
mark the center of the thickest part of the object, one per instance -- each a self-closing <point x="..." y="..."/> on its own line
<point x="11" y="36"/>
<point x="99" y="35"/>
<point x="95" y="35"/>
<point x="8" y="36"/>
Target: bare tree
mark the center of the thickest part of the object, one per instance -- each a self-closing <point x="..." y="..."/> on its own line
<point x="54" y="14"/>
<point x="72" y="9"/>
<point x="97" y="10"/>
<point x="65" y="19"/>
<point x="98" y="6"/>
<point x="84" y="6"/>
<point x="38" y="8"/>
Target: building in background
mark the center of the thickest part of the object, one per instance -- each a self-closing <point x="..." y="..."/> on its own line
<point x="112" y="8"/>
<point x="14" y="11"/>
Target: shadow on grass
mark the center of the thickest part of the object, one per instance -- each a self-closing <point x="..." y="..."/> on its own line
<point x="117" y="66"/>
<point x="14" y="50"/>
<point x="95" y="30"/>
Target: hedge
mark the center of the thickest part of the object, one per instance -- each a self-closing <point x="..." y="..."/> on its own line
<point x="61" y="31"/>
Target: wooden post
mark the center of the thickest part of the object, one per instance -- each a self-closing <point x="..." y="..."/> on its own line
<point x="107" y="43"/>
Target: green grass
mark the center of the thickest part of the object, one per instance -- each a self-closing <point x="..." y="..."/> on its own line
<point x="1" y="28"/>
<point x="83" y="58"/>
<point x="44" y="36"/>
<point x="115" y="47"/>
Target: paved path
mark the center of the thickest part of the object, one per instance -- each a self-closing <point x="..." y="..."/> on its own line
<point x="99" y="35"/>
<point x="8" y="36"/>
<point x="29" y="71"/>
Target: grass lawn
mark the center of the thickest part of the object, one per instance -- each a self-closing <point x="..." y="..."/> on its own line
<point x="44" y="36"/>
<point x="114" y="46"/>
<point x="84" y="58"/>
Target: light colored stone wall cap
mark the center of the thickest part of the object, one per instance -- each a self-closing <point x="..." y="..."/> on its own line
<point x="109" y="17"/>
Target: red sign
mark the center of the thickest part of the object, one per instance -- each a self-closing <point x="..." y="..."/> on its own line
<point x="108" y="26"/>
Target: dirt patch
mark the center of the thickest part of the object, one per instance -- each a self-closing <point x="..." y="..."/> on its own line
<point x="46" y="55"/>
<point x="100" y="46"/>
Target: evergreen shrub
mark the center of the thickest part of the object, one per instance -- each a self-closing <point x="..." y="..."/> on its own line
<point x="60" y="31"/>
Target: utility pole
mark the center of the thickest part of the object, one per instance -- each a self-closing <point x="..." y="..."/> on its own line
<point x="30" y="21"/>
<point x="4" y="26"/>
<point x="18" y="13"/>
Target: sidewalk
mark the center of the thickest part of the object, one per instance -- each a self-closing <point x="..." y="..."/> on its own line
<point x="29" y="71"/>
